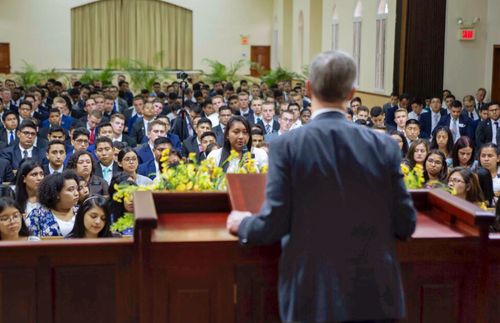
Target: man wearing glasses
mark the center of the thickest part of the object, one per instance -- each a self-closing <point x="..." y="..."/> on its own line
<point x="25" y="149"/>
<point x="285" y="120"/>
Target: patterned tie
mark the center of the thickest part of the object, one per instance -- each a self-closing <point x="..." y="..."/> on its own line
<point x="25" y="154"/>
<point x="268" y="128"/>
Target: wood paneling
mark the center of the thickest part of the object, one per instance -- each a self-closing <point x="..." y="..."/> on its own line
<point x="495" y="82"/>
<point x="5" y="58"/>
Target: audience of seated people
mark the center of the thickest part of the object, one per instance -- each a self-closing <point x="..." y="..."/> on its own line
<point x="64" y="149"/>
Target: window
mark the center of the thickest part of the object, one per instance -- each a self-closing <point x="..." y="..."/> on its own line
<point x="381" y="22"/>
<point x="335" y="29"/>
<point x="356" y="50"/>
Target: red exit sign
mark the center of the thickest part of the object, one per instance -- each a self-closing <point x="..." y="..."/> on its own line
<point x="467" y="34"/>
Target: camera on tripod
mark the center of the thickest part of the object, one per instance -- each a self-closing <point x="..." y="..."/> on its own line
<point x="182" y="75"/>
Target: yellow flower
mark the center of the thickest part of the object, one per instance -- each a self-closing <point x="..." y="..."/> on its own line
<point x="405" y="169"/>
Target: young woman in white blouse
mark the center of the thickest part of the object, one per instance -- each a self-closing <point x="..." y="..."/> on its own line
<point x="237" y="137"/>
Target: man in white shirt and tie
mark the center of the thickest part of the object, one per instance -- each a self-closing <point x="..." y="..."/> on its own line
<point x="56" y="154"/>
<point x="10" y="123"/>
<point x="104" y="153"/>
<point x="257" y="110"/>
<point x="268" y="123"/>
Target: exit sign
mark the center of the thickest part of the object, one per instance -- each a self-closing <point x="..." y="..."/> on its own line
<point x="467" y="34"/>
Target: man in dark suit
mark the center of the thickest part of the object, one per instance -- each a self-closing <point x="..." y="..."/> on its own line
<point x="338" y="260"/>
<point x="24" y="149"/>
<point x="106" y="167"/>
<point x="151" y="168"/>
<point x="141" y="126"/>
<point x="487" y="130"/>
<point x="459" y="124"/>
<point x="56" y="154"/>
<point x="430" y="120"/>
<point x="117" y="122"/>
<point x="225" y="113"/>
<point x="193" y="143"/>
<point x="156" y="129"/>
<point x="268" y="123"/>
<point x="244" y="105"/>
<point x="8" y="134"/>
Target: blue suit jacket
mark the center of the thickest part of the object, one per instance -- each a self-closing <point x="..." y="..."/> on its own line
<point x="13" y="155"/>
<point x="145" y="154"/>
<point x="147" y="169"/>
<point x="338" y="260"/>
<point x="426" y="123"/>
<point x="176" y="142"/>
<point x="465" y="125"/>
<point x="66" y="122"/>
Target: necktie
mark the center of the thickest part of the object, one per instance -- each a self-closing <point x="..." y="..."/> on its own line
<point x="268" y="128"/>
<point x="456" y="131"/>
<point x="11" y="138"/>
<point x="190" y="128"/>
<point x="25" y="154"/>
<point x="436" y="120"/>
<point x="471" y="115"/>
<point x="258" y="120"/>
<point x="92" y="136"/>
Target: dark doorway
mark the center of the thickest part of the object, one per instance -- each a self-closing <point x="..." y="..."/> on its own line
<point x="5" y="58"/>
<point x="262" y="56"/>
<point x="495" y="81"/>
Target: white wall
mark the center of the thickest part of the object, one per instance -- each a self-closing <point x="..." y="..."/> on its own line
<point x="39" y="32"/>
<point x="464" y="63"/>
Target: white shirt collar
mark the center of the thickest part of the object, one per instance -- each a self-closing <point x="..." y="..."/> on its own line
<point x="52" y="170"/>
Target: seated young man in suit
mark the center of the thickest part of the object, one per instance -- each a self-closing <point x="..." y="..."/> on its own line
<point x="207" y="138"/>
<point x="459" y="124"/>
<point x="156" y="129"/>
<point x="56" y="154"/>
<point x="487" y="130"/>
<point x="377" y="117"/>
<point x="141" y="126"/>
<point x="285" y="120"/>
<point x="66" y="119"/>
<point x="193" y="143"/>
<point x="225" y="113"/>
<point x="25" y="148"/>
<point x="176" y="141"/>
<point x="210" y="112"/>
<point x="79" y="141"/>
<point x="430" y="120"/>
<point x="151" y="168"/>
<point x="117" y="122"/>
<point x="10" y="121"/>
<point x="268" y="123"/>
<point x="106" y="168"/>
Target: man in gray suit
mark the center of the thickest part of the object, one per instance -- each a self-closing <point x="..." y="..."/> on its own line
<point x="335" y="197"/>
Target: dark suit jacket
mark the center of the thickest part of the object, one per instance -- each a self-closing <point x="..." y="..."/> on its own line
<point x="484" y="132"/>
<point x="145" y="154"/>
<point x="176" y="142"/>
<point x="180" y="126"/>
<point x="219" y="135"/>
<point x="338" y="260"/>
<point x="389" y="114"/>
<point x="275" y="126"/>
<point x="66" y="122"/>
<point x="147" y="169"/>
<point x="4" y="136"/>
<point x="190" y="145"/>
<point x="138" y="131"/>
<point x="464" y="122"/>
<point x="426" y="123"/>
<point x="13" y="155"/>
<point x="6" y="173"/>
<point x="44" y="133"/>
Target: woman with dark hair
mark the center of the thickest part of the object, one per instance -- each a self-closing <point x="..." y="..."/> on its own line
<point x="117" y="209"/>
<point x="12" y="226"/>
<point x="238" y="138"/>
<point x="466" y="185"/>
<point x="488" y="157"/>
<point x="83" y="164"/>
<point x="443" y="140"/>
<point x="401" y="141"/>
<point x="435" y="170"/>
<point x="128" y="161"/>
<point x="29" y="176"/>
<point x="92" y="219"/>
<point x="58" y="195"/>
<point x="418" y="151"/>
<point x="462" y="153"/>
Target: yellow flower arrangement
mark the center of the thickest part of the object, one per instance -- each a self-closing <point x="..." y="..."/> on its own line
<point x="189" y="176"/>
<point x="413" y="178"/>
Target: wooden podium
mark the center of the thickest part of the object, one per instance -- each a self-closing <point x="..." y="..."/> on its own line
<point x="183" y="266"/>
<point x="196" y="272"/>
